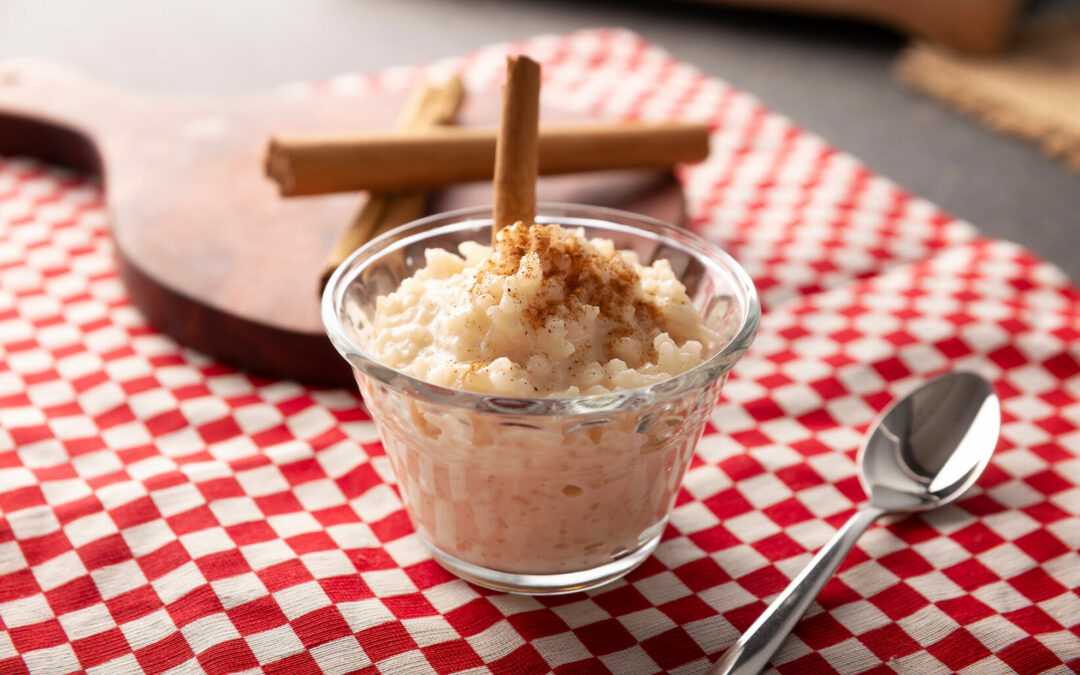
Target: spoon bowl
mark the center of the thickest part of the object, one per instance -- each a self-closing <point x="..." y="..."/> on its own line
<point x="929" y="447"/>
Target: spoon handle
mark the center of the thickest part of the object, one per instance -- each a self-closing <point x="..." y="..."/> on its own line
<point x="757" y="645"/>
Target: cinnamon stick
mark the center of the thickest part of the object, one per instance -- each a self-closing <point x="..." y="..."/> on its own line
<point x="516" y="153"/>
<point x="322" y="164"/>
<point x="427" y="107"/>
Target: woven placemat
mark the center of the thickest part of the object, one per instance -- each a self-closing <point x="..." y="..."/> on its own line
<point x="1032" y="89"/>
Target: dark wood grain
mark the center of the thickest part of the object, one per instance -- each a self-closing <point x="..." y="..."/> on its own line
<point x="207" y="249"/>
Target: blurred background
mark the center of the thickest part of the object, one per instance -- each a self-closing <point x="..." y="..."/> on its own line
<point x="832" y="75"/>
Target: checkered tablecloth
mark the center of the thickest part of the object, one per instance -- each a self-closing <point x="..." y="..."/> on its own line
<point x="165" y="513"/>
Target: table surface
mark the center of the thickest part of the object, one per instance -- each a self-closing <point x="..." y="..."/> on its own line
<point x="163" y="512"/>
<point x="831" y="77"/>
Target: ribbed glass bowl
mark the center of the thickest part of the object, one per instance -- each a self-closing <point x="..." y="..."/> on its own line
<point x="540" y="495"/>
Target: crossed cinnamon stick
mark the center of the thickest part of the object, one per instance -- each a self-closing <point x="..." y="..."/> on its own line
<point x="315" y="164"/>
<point x="425" y="153"/>
<point x="428" y="107"/>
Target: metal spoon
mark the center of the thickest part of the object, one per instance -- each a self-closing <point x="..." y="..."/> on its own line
<point x="924" y="451"/>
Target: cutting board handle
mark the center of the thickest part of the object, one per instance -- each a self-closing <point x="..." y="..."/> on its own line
<point x="53" y="112"/>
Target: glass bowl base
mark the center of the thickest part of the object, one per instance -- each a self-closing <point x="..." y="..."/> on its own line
<point x="548" y="584"/>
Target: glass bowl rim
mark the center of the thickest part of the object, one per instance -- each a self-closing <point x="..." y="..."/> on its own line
<point x="702" y="374"/>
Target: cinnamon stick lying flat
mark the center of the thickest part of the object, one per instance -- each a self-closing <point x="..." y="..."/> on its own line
<point x="516" y="145"/>
<point x="312" y="165"/>
<point x="429" y="106"/>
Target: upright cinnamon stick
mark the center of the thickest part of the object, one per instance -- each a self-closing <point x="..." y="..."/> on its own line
<point x="429" y="106"/>
<point x="516" y="156"/>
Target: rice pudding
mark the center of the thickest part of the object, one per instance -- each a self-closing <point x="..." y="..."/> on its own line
<point x="544" y="313"/>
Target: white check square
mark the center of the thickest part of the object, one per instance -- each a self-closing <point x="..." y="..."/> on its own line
<point x="662" y="588"/>
<point x="751" y="526"/>
<point x="25" y="611"/>
<point x="1006" y="560"/>
<point x="389" y="582"/>
<point x="58" y="571"/>
<point x="274" y="644"/>
<point x="376" y="504"/>
<point x="763" y="490"/>
<point x="450" y="595"/>
<point x="235" y="510"/>
<point x="42" y="454"/>
<point x="238" y="590"/>
<point x="320" y="494"/>
<point x="261" y="481"/>
<point x="96" y="464"/>
<point x="207" y="631"/>
<point x="11" y="558"/>
<point x="631" y="660"/>
<point x="678" y="551"/>
<point x="364" y="614"/>
<point x="353" y="535"/>
<point x="88" y="621"/>
<point x="291" y="524"/>
<point x="561" y="648"/>
<point x="407" y="551"/>
<point x="148" y="537"/>
<point x="52" y="661"/>
<point x="33" y="522"/>
<point x="341" y="656"/>
<point x="646" y="623"/>
<point x="148" y="629"/>
<point x="7" y="648"/>
<point x="296" y="601"/>
<point x="177" y="583"/>
<point x="115" y="580"/>
<point x="429" y="630"/>
<point x="236" y="448"/>
<point x="327" y="564"/>
<point x="267" y="554"/>
<point x="341" y="458"/>
<point x="411" y="662"/>
<point x="495" y="642"/>
<point x="177" y="499"/>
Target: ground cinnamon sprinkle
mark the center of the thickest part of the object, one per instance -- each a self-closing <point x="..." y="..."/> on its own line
<point x="575" y="274"/>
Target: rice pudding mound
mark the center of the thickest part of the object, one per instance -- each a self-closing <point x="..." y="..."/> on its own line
<point x="545" y="312"/>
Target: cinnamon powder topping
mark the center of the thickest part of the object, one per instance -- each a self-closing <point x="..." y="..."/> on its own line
<point x="574" y="274"/>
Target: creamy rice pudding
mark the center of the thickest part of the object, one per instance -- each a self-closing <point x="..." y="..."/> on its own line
<point x="545" y="312"/>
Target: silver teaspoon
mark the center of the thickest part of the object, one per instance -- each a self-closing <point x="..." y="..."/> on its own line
<point x="924" y="451"/>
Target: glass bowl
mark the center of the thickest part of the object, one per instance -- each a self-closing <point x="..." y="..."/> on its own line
<point x="540" y="495"/>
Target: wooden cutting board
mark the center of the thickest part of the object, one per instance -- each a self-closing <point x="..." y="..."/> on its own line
<point x="207" y="249"/>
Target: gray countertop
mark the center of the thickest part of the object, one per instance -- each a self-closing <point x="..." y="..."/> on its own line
<point x="831" y="77"/>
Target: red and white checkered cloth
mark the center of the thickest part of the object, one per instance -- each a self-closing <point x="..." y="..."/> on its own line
<point x="162" y="512"/>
